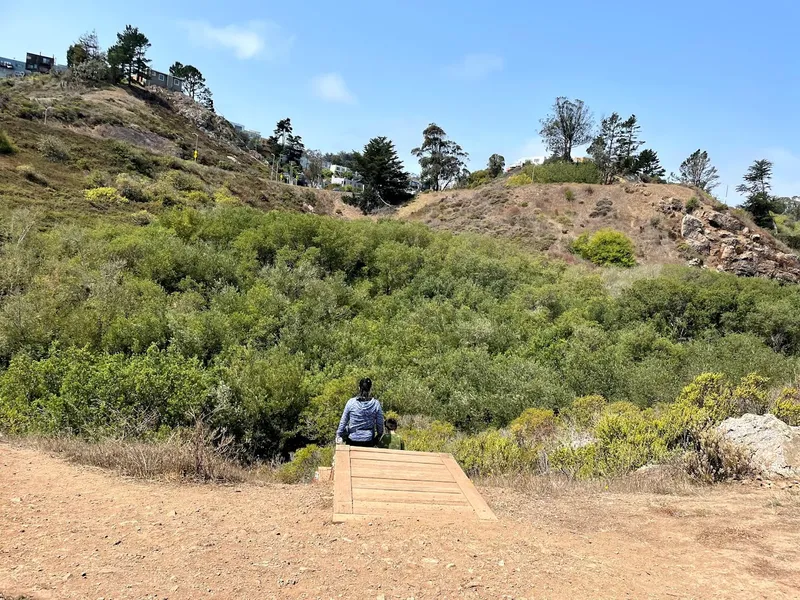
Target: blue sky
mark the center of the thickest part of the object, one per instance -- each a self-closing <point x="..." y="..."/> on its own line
<point x="721" y="76"/>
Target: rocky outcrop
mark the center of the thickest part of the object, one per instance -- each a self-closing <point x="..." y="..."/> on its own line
<point x="775" y="446"/>
<point x="725" y="243"/>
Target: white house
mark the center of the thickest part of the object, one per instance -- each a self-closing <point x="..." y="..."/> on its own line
<point x="534" y="160"/>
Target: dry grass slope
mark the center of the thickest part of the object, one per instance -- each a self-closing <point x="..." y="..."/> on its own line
<point x="548" y="217"/>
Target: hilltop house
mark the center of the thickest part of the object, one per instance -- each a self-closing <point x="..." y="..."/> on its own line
<point x="11" y="68"/>
<point x="165" y="80"/>
<point x="34" y="63"/>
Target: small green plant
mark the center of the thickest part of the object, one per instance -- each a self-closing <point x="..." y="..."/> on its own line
<point x="29" y="173"/>
<point x="787" y="406"/>
<point x="519" y="179"/>
<point x="304" y="463"/>
<point x="53" y="148"/>
<point x="606" y="248"/>
<point x="692" y="204"/>
<point x="97" y="178"/>
<point x="142" y="218"/>
<point x="6" y="145"/>
<point x="105" y="195"/>
<point x="569" y="195"/>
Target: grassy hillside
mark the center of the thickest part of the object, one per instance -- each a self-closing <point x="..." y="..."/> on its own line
<point x="139" y="142"/>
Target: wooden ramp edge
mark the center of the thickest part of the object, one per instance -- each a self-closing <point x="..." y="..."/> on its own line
<point x="369" y="482"/>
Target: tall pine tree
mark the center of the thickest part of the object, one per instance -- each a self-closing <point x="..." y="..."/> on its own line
<point x="757" y="187"/>
<point x="385" y="181"/>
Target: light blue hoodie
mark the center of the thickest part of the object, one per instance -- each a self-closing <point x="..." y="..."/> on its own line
<point x="361" y="420"/>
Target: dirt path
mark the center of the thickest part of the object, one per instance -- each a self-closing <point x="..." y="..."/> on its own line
<point x="74" y="532"/>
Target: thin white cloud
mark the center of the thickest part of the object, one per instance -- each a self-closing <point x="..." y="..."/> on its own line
<point x="476" y="66"/>
<point x="331" y="87"/>
<point x="255" y="39"/>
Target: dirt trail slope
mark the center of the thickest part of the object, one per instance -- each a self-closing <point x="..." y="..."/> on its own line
<point x="72" y="532"/>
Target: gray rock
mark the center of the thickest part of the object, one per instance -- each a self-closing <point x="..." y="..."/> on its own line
<point x="775" y="446"/>
<point x="691" y="227"/>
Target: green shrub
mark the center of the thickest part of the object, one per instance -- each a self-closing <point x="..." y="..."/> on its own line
<point x="197" y="197"/>
<point x="104" y="194"/>
<point x="569" y="194"/>
<point x="304" y="464"/>
<point x="585" y="411"/>
<point x="132" y="188"/>
<point x="787" y="406"/>
<point x="479" y="178"/>
<point x="223" y="196"/>
<point x="184" y="182"/>
<point x="692" y="204"/>
<point x="577" y="463"/>
<point x="519" y="179"/>
<point x="564" y="172"/>
<point x="534" y="426"/>
<point x="606" y="248"/>
<point x="29" y="173"/>
<point x="490" y="452"/>
<point x="129" y="158"/>
<point x="714" y="458"/>
<point x="97" y="178"/>
<point x="142" y="218"/>
<point x="431" y="439"/>
<point x="53" y="148"/>
<point x="6" y="145"/>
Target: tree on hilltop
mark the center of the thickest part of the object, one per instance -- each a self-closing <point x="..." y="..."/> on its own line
<point x="130" y="52"/>
<point x="496" y="165"/>
<point x="285" y="145"/>
<point x="757" y="187"/>
<point x="697" y="171"/>
<point x="385" y="181"/>
<point x="86" y="48"/>
<point x="569" y="125"/>
<point x="193" y="81"/>
<point x="649" y="166"/>
<point x="441" y="160"/>
<point x="614" y="149"/>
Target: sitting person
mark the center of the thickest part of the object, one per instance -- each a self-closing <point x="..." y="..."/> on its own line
<point x="362" y="420"/>
<point x="391" y="439"/>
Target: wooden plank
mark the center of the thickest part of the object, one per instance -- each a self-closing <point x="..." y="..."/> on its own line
<point x="442" y="475"/>
<point x="404" y="485"/>
<point x="361" y="507"/>
<point x="342" y="482"/>
<point x="368" y="495"/>
<point x="475" y="499"/>
<point x="396" y="466"/>
<point x="434" y="459"/>
<point x="359" y="449"/>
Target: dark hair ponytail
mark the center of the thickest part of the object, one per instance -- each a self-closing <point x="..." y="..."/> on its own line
<point x="365" y="387"/>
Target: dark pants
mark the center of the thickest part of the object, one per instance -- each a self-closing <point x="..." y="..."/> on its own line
<point x="369" y="444"/>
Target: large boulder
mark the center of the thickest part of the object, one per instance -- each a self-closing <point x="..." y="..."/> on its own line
<point x="775" y="446"/>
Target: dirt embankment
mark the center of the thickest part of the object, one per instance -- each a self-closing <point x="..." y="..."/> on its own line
<point x="72" y="532"/>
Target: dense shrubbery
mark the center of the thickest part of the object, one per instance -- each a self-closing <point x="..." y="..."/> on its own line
<point x="562" y="172"/>
<point x="606" y="248"/>
<point x="6" y="145"/>
<point x="264" y="322"/>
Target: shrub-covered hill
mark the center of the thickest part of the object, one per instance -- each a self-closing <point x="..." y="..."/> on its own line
<point x="73" y="144"/>
<point x="263" y="322"/>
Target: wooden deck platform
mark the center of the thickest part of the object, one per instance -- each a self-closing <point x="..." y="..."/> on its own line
<point x="372" y="482"/>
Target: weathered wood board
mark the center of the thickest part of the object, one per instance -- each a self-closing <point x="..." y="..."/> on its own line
<point x="369" y="482"/>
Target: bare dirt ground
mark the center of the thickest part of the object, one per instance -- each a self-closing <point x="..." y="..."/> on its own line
<point x="77" y="532"/>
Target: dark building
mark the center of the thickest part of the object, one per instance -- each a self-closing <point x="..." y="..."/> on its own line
<point x="36" y="63"/>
